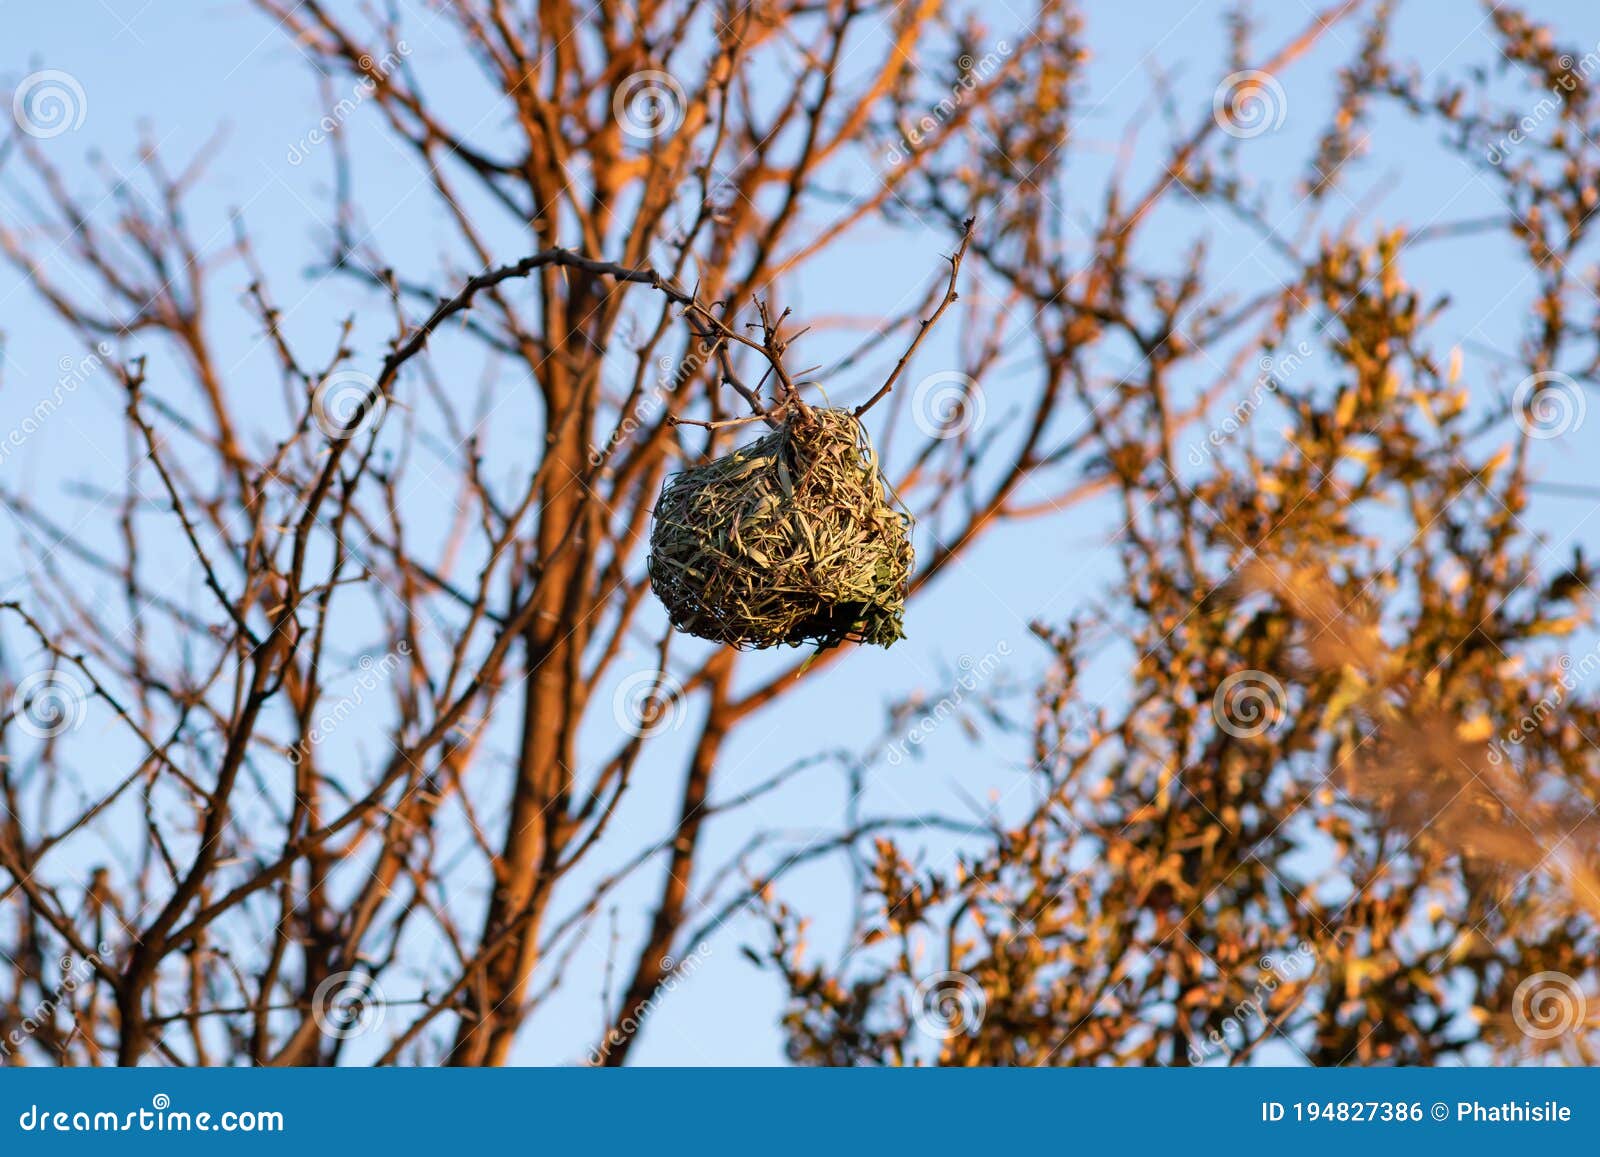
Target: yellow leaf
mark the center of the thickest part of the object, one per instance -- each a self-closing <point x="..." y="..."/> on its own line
<point x="1349" y="692"/>
<point x="1427" y="410"/>
<point x="1346" y="409"/>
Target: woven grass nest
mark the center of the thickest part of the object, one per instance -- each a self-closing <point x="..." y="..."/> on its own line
<point x="791" y="539"/>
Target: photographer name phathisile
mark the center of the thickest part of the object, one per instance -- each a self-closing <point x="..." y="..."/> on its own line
<point x="1512" y="1111"/>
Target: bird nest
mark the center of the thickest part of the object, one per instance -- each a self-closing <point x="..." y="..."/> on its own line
<point x="791" y="539"/>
